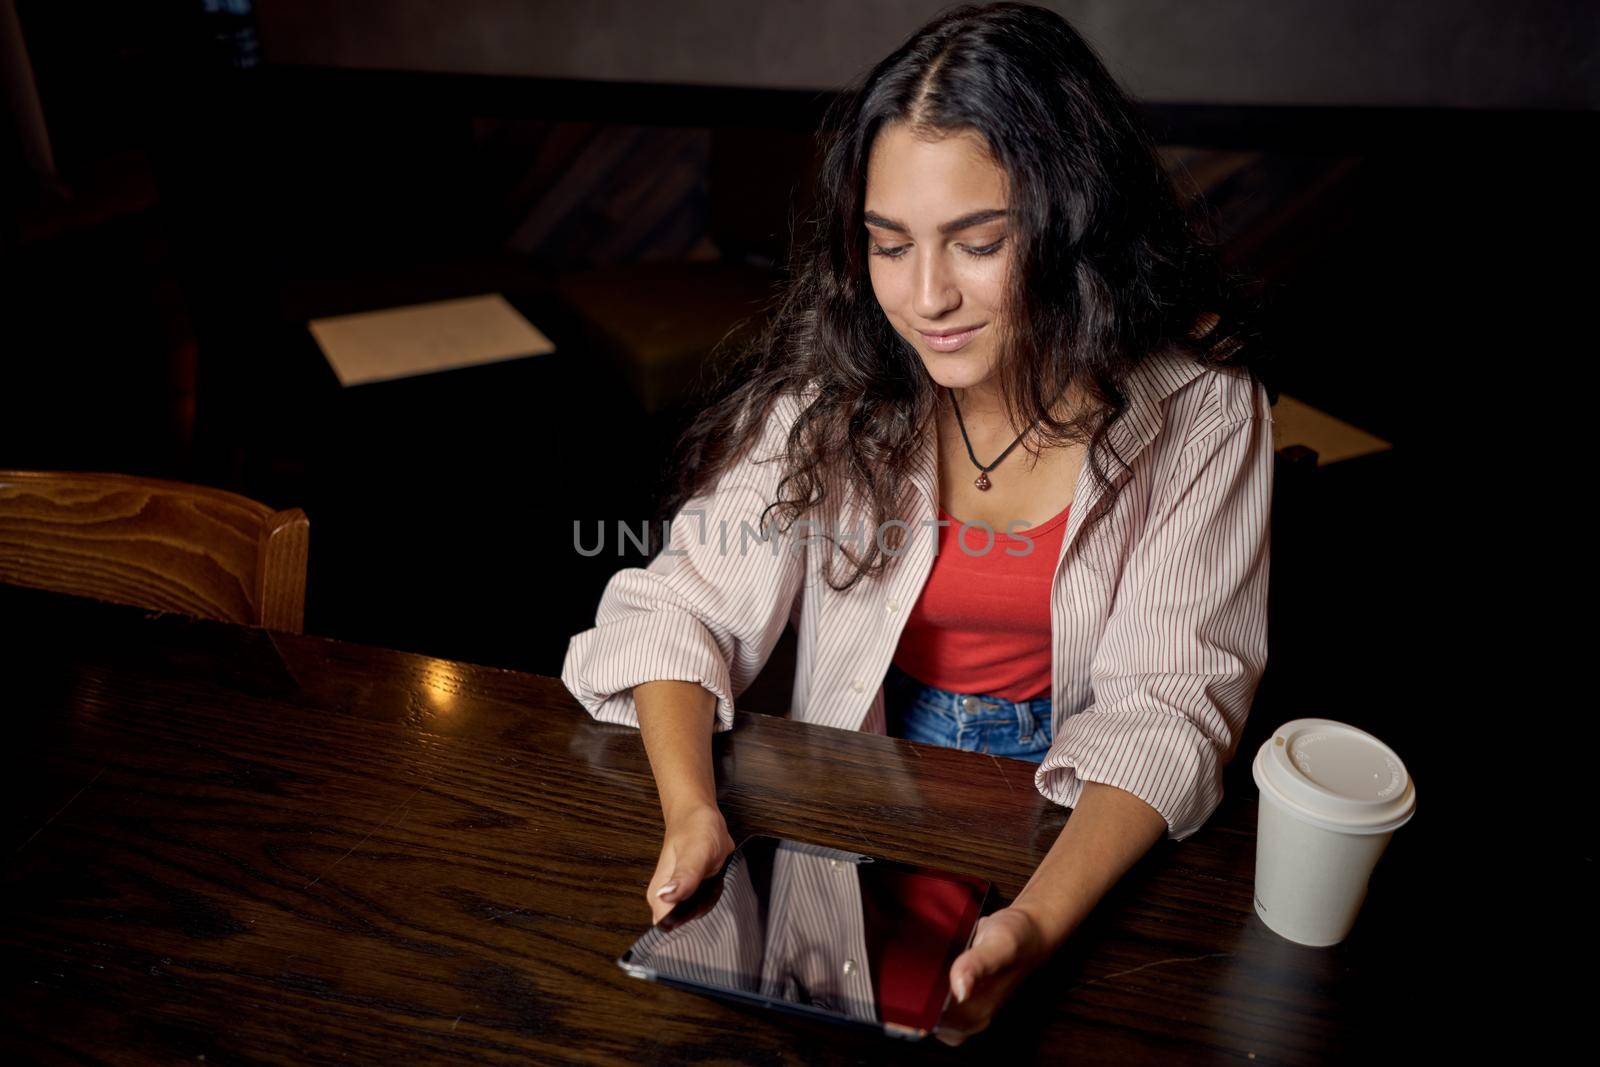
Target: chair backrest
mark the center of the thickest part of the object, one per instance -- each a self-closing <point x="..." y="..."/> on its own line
<point x="168" y="546"/>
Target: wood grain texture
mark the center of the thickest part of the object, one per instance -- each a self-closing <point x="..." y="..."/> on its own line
<point x="250" y="846"/>
<point x="156" y="544"/>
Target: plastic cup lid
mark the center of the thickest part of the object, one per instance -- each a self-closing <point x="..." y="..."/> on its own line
<point x="1336" y="776"/>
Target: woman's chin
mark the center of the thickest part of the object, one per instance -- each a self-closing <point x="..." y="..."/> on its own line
<point x="957" y="370"/>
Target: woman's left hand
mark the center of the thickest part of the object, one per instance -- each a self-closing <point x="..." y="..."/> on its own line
<point x="1006" y="947"/>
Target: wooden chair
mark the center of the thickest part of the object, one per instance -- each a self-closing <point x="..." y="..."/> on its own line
<point x="155" y="544"/>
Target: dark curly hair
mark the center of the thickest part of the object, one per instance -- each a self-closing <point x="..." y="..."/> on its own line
<point x="1109" y="268"/>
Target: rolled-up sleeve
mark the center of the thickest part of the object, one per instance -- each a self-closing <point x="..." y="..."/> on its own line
<point x="1185" y="645"/>
<point x="709" y="608"/>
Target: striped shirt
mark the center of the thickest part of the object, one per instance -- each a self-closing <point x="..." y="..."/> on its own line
<point x="1158" y="615"/>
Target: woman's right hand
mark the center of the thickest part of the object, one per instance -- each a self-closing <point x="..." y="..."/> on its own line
<point x="695" y="846"/>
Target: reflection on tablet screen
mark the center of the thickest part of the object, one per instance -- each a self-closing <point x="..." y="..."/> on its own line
<point x="828" y="931"/>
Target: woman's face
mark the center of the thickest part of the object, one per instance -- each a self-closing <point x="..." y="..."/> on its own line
<point x="940" y="257"/>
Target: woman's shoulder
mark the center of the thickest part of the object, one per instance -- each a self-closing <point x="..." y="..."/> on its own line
<point x="791" y="402"/>
<point x="765" y="445"/>
<point x="1203" y="398"/>
<point x="782" y="413"/>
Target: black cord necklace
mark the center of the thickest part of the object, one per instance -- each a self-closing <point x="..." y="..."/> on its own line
<point x="982" y="481"/>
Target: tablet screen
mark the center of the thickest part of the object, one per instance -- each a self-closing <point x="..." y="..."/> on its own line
<point x="826" y="932"/>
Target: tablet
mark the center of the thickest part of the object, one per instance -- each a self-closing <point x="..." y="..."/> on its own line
<point x="853" y="939"/>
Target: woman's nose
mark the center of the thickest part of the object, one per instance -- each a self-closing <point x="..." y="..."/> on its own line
<point x="936" y="291"/>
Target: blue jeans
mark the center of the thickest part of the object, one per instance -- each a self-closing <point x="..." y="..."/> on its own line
<point x="977" y="722"/>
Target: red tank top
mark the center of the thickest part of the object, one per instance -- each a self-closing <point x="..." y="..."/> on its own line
<point x="982" y="623"/>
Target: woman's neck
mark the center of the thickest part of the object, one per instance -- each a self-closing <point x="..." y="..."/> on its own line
<point x="981" y="401"/>
<point x="983" y="404"/>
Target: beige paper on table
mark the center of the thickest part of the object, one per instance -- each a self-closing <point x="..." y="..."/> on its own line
<point x="375" y="346"/>
<point x="1297" y="423"/>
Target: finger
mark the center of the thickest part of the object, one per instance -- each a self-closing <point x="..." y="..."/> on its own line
<point x="662" y="877"/>
<point x="970" y="966"/>
<point x="679" y="886"/>
<point x="665" y="862"/>
<point x="664" y="897"/>
<point x="962" y="1021"/>
<point x="989" y="955"/>
<point x="956" y="1025"/>
<point x="657" y="907"/>
<point x="662" y="894"/>
<point x="967" y="974"/>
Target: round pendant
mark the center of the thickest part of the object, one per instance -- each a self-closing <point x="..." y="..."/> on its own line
<point x="982" y="481"/>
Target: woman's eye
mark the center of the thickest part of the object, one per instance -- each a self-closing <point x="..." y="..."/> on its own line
<point x="900" y="250"/>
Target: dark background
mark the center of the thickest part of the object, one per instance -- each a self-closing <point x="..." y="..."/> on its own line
<point x="1415" y="189"/>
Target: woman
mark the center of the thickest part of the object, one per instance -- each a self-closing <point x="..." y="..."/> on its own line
<point x="1002" y="318"/>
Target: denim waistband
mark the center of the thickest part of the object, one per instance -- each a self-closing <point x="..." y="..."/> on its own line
<point x="964" y="706"/>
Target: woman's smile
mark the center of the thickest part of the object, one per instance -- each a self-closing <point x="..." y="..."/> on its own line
<point x="950" y="342"/>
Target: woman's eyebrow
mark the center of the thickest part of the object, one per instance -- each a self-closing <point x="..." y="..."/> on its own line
<point x="971" y="218"/>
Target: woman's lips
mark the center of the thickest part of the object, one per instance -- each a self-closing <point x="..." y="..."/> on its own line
<point x="950" y="342"/>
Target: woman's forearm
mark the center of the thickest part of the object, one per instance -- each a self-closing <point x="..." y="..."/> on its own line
<point x="675" y="719"/>
<point x="1107" y="833"/>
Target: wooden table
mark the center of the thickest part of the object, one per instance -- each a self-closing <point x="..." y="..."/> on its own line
<point x="235" y="846"/>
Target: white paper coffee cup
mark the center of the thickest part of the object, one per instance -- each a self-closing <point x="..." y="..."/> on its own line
<point x="1331" y="797"/>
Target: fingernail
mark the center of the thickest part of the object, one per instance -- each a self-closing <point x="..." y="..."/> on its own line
<point x="664" y="890"/>
<point x="962" y="988"/>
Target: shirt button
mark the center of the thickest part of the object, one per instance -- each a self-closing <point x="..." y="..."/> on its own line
<point x="858" y="685"/>
<point x="892" y="606"/>
<point x="849" y="967"/>
<point x="836" y="865"/>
